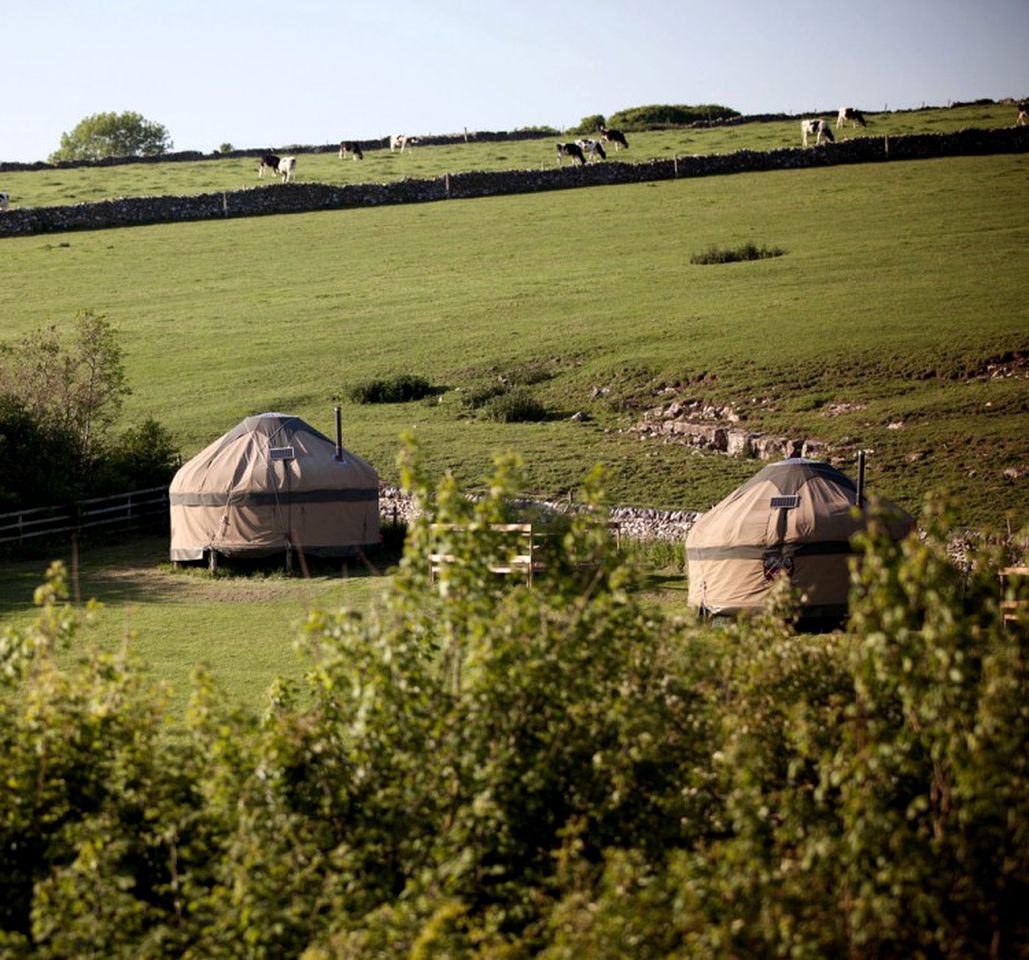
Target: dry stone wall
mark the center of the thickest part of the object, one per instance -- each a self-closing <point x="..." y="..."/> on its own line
<point x="305" y="197"/>
<point x="634" y="523"/>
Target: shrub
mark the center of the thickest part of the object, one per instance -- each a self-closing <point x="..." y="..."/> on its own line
<point x="668" y="115"/>
<point x="514" y="406"/>
<point x="477" y="396"/>
<point x="746" y="251"/>
<point x="399" y="389"/>
<point x="589" y="125"/>
<point x="481" y="769"/>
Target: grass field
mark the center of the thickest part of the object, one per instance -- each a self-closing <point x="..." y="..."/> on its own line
<point x="899" y="300"/>
<point x="900" y="284"/>
<point x="242" y="624"/>
<point x="85" y="184"/>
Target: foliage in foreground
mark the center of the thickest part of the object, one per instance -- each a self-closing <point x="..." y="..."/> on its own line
<point x="478" y="769"/>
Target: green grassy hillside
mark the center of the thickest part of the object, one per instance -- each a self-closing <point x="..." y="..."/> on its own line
<point x="79" y="185"/>
<point x="900" y="285"/>
<point x="896" y="321"/>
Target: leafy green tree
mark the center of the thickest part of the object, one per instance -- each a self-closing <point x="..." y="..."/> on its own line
<point x="143" y="456"/>
<point x="668" y="115"/>
<point x="127" y="134"/>
<point x="588" y="126"/>
<point x="77" y="386"/>
<point x="36" y="457"/>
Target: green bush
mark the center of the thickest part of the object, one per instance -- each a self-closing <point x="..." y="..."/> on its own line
<point x="746" y="251"/>
<point x="480" y="769"/>
<point x="399" y="389"/>
<point x="514" y="406"/>
<point x="588" y="126"/>
<point x="668" y="115"/>
<point x="476" y="396"/>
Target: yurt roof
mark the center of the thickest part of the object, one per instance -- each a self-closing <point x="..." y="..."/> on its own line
<point x="790" y="500"/>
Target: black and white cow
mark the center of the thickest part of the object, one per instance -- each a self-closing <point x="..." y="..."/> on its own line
<point x="817" y="128"/>
<point x="592" y="149"/>
<point x="5" y="200"/>
<point x="288" y="169"/>
<point x="614" y="136"/>
<point x="350" y="148"/>
<point x="571" y="150"/>
<point x="268" y="162"/>
<point x="855" y="116"/>
<point x="400" y="141"/>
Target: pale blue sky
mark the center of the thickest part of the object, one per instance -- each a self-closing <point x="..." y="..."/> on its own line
<point x="263" y="74"/>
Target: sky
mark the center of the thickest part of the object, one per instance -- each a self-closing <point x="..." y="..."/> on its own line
<point x="259" y="74"/>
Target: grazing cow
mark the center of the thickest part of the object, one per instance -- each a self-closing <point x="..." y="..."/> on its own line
<point x="1023" y="113"/>
<point x="5" y="201"/>
<point x="614" y="136"/>
<point x="351" y="148"/>
<point x="592" y="149"/>
<point x="855" y="116"/>
<point x="398" y="141"/>
<point x="268" y="162"/>
<point x="819" y="128"/>
<point x="288" y="169"/>
<point x="571" y="150"/>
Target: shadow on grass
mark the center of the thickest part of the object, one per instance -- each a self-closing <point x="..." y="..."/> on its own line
<point x="137" y="569"/>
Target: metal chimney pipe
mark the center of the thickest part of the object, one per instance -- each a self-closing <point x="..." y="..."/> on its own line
<point x="860" y="499"/>
<point x="339" y="434"/>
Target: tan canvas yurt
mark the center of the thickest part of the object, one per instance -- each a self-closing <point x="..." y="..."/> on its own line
<point x="273" y="483"/>
<point x="792" y="518"/>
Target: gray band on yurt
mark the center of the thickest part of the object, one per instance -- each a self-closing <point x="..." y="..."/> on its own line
<point x="826" y="548"/>
<point x="270" y="499"/>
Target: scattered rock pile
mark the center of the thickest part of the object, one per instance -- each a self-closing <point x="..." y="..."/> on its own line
<point x="719" y="428"/>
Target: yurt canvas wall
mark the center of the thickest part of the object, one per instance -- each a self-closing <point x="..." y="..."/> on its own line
<point x="792" y="518"/>
<point x="273" y="483"/>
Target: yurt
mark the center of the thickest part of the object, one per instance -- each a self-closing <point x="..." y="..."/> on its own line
<point x="273" y="483"/>
<point x="792" y="518"/>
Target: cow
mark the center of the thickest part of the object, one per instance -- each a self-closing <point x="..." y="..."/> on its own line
<point x="815" y="127"/>
<point x="614" y="136"/>
<point x="571" y="150"/>
<point x="268" y="162"/>
<point x="398" y="141"/>
<point x="352" y="148"/>
<point x="1023" y="114"/>
<point x="855" y="116"/>
<point x="288" y="169"/>
<point x="592" y="149"/>
<point x="5" y="201"/>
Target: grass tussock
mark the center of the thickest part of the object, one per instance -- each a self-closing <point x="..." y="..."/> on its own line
<point x="746" y="251"/>
<point x="402" y="388"/>
<point x="514" y="406"/>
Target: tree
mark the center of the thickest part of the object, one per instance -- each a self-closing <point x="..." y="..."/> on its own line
<point x="36" y="459"/>
<point x="101" y="135"/>
<point x="589" y="125"/>
<point x="77" y="388"/>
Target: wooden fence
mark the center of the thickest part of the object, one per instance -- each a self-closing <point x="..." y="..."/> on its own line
<point x="140" y="508"/>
